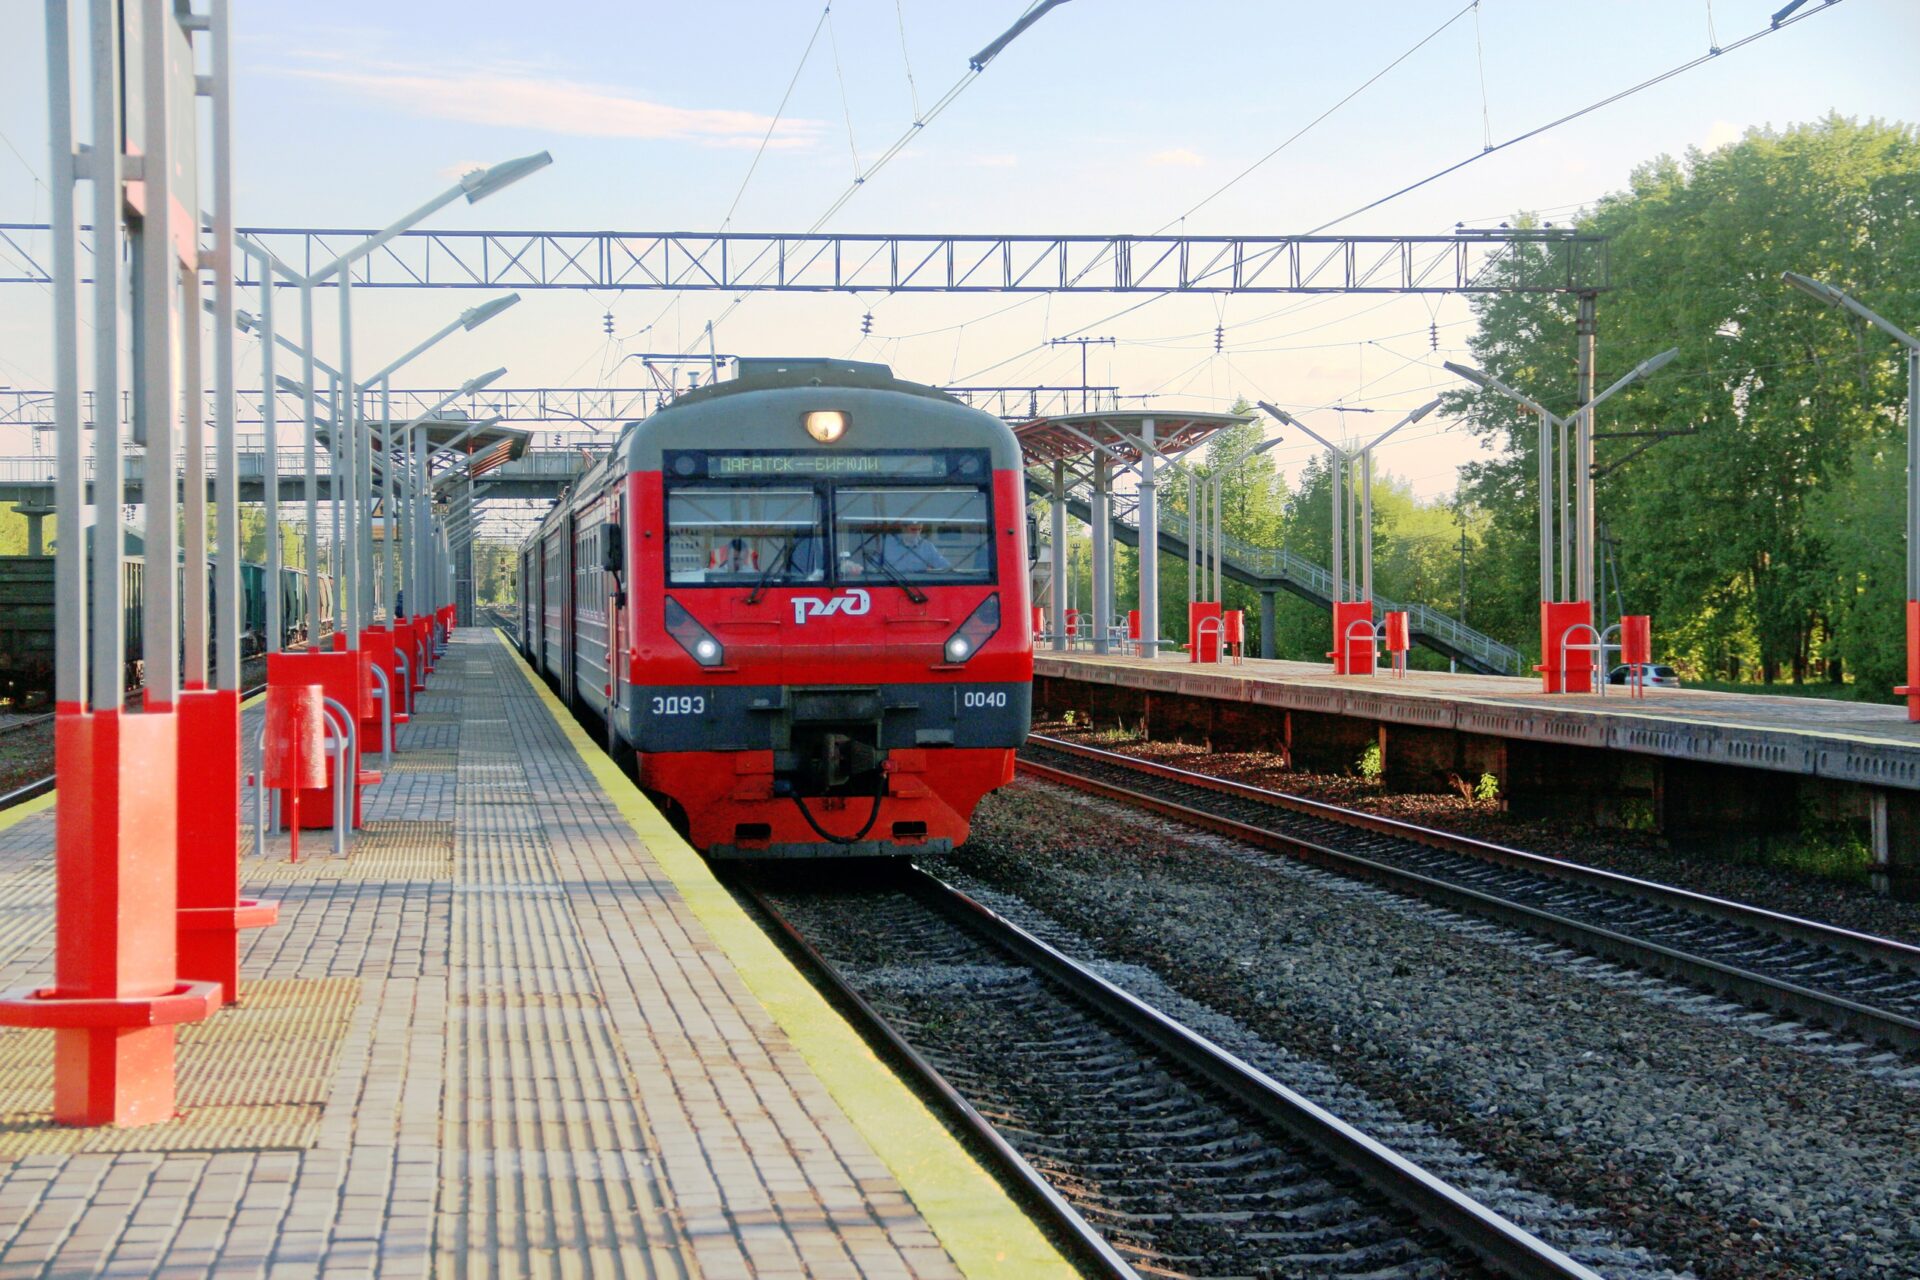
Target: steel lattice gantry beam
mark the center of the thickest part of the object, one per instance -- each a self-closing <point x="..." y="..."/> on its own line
<point x="522" y="406"/>
<point x="1470" y="262"/>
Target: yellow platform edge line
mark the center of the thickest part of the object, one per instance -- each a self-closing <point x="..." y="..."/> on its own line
<point x="988" y="1235"/>
<point x="40" y="804"/>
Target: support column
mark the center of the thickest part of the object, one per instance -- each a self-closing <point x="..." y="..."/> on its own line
<point x="36" y="516"/>
<point x="1337" y="473"/>
<point x="1102" y="550"/>
<point x="1366" y="526"/>
<point x="1586" y="328"/>
<point x="1149" y="545"/>
<point x="1268" y="640"/>
<point x="1057" y="588"/>
<point x="1194" y="524"/>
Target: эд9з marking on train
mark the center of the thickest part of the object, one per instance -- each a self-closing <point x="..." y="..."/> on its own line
<point x="813" y="582"/>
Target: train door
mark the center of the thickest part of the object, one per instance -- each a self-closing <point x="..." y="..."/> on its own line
<point x="616" y="564"/>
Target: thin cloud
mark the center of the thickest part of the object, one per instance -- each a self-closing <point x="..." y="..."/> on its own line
<point x="514" y="97"/>
<point x="1178" y="157"/>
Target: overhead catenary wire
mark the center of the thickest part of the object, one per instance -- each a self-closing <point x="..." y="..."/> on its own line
<point x="975" y="67"/>
<point x="1571" y="116"/>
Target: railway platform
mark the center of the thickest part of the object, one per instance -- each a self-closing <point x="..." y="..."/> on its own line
<point x="518" y="1029"/>
<point x="1701" y="766"/>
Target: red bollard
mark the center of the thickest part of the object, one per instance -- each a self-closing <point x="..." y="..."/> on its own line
<point x="115" y="999"/>
<point x="1203" y="631"/>
<point x="1353" y="651"/>
<point x="295" y="758"/>
<point x="1566" y="620"/>
<point x="347" y="679"/>
<point x="211" y="911"/>
<point x="1911" y="689"/>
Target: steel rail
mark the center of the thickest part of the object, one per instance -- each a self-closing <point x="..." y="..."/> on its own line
<point x="1865" y="946"/>
<point x="1494" y="1239"/>
<point x="1752" y="988"/>
<point x="1091" y="1247"/>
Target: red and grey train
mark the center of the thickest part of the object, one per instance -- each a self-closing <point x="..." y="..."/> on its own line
<point x="812" y="580"/>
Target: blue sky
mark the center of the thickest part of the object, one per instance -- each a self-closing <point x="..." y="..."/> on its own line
<point x="1108" y="115"/>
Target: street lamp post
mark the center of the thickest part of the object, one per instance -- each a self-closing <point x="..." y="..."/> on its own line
<point x="1559" y="616"/>
<point x="1833" y="297"/>
<point x="467" y="320"/>
<point x="1352" y="555"/>
<point x="473" y="187"/>
<point x="1219" y="480"/>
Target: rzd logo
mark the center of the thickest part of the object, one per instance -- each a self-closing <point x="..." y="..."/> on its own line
<point x="853" y="602"/>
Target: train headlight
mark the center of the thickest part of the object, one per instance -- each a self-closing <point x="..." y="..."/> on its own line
<point x="691" y="636"/>
<point x="827" y="425"/>
<point x="975" y="631"/>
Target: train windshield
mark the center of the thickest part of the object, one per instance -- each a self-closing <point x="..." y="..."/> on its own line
<point x="744" y="536"/>
<point x="914" y="533"/>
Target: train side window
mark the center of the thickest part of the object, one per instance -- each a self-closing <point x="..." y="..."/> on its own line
<point x="734" y="535"/>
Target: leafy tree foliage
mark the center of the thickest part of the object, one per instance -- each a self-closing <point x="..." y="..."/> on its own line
<point x="1769" y="541"/>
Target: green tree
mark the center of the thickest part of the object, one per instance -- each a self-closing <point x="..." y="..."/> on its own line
<point x="1738" y="536"/>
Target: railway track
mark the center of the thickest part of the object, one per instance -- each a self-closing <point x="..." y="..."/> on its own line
<point x="1151" y="1149"/>
<point x="1850" y="982"/>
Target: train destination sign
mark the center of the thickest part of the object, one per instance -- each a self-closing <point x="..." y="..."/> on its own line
<point x="824" y="463"/>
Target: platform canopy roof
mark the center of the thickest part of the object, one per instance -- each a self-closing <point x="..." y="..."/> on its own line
<point x="1122" y="433"/>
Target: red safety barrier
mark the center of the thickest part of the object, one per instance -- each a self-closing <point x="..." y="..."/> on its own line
<point x="1353" y="653"/>
<point x="1911" y="689"/>
<point x="1073" y="624"/>
<point x="1566" y="620"/>
<point x="421" y="632"/>
<point x="379" y="644"/>
<point x="1133" y="625"/>
<point x="211" y="912"/>
<point x="347" y="678"/>
<point x="1204" y="629"/>
<point x="1039" y="620"/>
<point x="116" y="996"/>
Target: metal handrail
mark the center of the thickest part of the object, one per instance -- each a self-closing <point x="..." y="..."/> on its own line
<point x="1282" y="563"/>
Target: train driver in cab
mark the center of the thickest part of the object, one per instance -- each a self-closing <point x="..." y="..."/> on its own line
<point x="908" y="552"/>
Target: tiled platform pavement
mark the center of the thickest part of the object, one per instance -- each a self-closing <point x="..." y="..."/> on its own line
<point x="495" y="1040"/>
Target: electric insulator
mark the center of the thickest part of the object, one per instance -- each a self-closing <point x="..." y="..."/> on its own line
<point x="1433" y="335"/>
<point x="606" y="324"/>
<point x="866" y="323"/>
<point x="1219" y="336"/>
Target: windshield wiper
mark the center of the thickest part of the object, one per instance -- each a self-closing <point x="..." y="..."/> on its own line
<point x="914" y="593"/>
<point x="784" y="559"/>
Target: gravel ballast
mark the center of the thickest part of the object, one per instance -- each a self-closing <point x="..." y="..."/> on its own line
<point x="1716" y="1142"/>
<point x="1634" y="853"/>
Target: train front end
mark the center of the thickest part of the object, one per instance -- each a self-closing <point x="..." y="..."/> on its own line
<point x="831" y="652"/>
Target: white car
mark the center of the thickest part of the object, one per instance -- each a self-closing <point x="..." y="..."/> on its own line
<point x="1655" y="675"/>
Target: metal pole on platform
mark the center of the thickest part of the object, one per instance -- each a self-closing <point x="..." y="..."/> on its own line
<point x="346" y="471"/>
<point x="1149" y="544"/>
<point x="1586" y="328"/>
<point x="158" y="276"/>
<point x="109" y="459"/>
<point x="1193" y="536"/>
<point x="311" y="458"/>
<point x="1057" y="584"/>
<point x="1102" y="559"/>
<point x="193" y="491"/>
<point x="270" y="468"/>
<point x="1366" y="484"/>
<point x="1833" y="297"/>
<point x="226" y="445"/>
<point x="69" y="553"/>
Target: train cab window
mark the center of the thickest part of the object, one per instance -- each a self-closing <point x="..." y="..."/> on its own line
<point x="921" y="533"/>
<point x="744" y="535"/>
